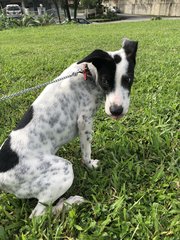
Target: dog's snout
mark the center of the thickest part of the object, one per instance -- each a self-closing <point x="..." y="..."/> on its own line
<point x="116" y="110"/>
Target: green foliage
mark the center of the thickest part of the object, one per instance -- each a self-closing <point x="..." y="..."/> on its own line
<point x="156" y="18"/>
<point x="89" y="3"/>
<point x="6" y="22"/>
<point x="134" y="193"/>
<point x="25" y="21"/>
<point x="107" y="17"/>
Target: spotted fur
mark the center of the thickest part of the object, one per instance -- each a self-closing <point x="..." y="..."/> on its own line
<point x="29" y="167"/>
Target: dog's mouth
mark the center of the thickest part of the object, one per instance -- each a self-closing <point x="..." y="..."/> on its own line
<point x="117" y="117"/>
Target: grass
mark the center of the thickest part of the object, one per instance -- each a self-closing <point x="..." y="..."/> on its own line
<point x="134" y="193"/>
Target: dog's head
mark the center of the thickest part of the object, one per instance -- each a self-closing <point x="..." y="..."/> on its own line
<point x="115" y="76"/>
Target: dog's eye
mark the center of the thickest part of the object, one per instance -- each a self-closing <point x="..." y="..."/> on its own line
<point x="126" y="81"/>
<point x="104" y="83"/>
<point x="126" y="78"/>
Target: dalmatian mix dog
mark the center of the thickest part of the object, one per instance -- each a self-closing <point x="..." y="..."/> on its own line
<point x="29" y="167"/>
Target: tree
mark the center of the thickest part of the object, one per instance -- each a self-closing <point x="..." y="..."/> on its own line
<point x="90" y="3"/>
<point x="65" y="5"/>
<point x="66" y="8"/>
<point x="57" y="9"/>
<point x="76" y="3"/>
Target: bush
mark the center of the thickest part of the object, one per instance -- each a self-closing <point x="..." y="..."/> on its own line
<point x="156" y="18"/>
<point x="44" y="20"/>
<point x="26" y="21"/>
<point x="108" y="17"/>
<point x="6" y="23"/>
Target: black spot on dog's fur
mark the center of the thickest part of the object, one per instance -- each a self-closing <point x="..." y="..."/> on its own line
<point x="130" y="48"/>
<point x="126" y="82"/>
<point x="26" y="119"/>
<point x="106" y="68"/>
<point x="8" y="158"/>
<point x="107" y="76"/>
<point x="117" y="59"/>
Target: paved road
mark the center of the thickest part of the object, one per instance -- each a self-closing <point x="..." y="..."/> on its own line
<point x="138" y="18"/>
<point x="148" y="18"/>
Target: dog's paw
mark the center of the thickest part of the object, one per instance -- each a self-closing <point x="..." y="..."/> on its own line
<point x="93" y="163"/>
<point x="38" y="210"/>
<point x="74" y="200"/>
<point x="67" y="203"/>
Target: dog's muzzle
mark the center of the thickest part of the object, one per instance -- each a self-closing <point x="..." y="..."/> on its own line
<point x="116" y="111"/>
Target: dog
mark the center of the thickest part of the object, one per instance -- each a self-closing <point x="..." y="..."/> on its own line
<point x="29" y="167"/>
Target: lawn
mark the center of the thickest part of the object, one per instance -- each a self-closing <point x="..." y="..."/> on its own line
<point x="134" y="193"/>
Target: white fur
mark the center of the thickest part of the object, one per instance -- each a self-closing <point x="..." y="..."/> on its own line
<point x="119" y="96"/>
<point x="62" y="111"/>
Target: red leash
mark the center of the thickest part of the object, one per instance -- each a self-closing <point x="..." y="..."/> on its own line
<point x="85" y="71"/>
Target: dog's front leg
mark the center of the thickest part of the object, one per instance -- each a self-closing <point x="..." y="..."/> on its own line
<point x="85" y="134"/>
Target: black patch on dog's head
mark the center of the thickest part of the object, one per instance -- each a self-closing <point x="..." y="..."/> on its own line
<point x="8" y="158"/>
<point x="130" y="48"/>
<point x="126" y="82"/>
<point x="25" y="119"/>
<point x="105" y="66"/>
<point x="117" y="58"/>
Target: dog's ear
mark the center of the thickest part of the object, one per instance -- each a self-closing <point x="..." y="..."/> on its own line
<point x="105" y="66"/>
<point x="98" y="58"/>
<point x="130" y="48"/>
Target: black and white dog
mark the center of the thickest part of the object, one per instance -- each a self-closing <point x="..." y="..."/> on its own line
<point x="29" y="167"/>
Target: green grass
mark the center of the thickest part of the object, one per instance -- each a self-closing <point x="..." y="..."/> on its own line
<point x="134" y="193"/>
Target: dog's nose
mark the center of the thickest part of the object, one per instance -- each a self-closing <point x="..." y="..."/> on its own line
<point x="116" y="110"/>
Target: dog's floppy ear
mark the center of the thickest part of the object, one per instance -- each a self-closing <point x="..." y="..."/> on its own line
<point x="130" y="48"/>
<point x="98" y="58"/>
<point x="105" y="66"/>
